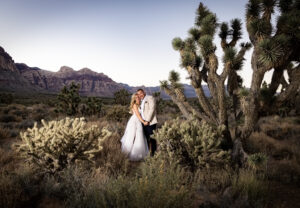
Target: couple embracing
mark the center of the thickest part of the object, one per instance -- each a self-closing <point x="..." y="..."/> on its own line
<point x="137" y="141"/>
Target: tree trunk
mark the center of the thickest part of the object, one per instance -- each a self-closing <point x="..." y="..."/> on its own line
<point x="276" y="77"/>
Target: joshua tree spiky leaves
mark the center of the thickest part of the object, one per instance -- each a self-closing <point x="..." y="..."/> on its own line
<point x="199" y="59"/>
<point x="274" y="47"/>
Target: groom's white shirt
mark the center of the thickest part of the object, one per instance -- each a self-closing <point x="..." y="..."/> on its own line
<point x="142" y="107"/>
<point x="148" y="109"/>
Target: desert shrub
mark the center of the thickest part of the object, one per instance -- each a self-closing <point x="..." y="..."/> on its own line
<point x="246" y="184"/>
<point x="8" y="118"/>
<point x="4" y="133"/>
<point x="117" y="113"/>
<point x="8" y="125"/>
<point x="18" y="112"/>
<point x="158" y="184"/>
<point x="122" y="97"/>
<point x="8" y="159"/>
<point x="13" y="107"/>
<point x="166" y="183"/>
<point x="57" y="144"/>
<point x="192" y="143"/>
<point x="92" y="106"/>
<point x="111" y="160"/>
<point x="18" y="188"/>
<point x="258" y="161"/>
<point x="10" y="190"/>
<point x="14" y="132"/>
<point x="72" y="182"/>
<point x="214" y="180"/>
<point x="285" y="171"/>
<point x="5" y="110"/>
<point x="6" y="98"/>
<point x="71" y="186"/>
<point x="28" y="123"/>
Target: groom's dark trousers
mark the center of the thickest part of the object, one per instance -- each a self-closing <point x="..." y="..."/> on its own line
<point x="148" y="130"/>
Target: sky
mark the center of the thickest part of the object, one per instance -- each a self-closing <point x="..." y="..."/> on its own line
<point x="128" y="40"/>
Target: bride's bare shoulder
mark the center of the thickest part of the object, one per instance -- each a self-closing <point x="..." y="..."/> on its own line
<point x="134" y="106"/>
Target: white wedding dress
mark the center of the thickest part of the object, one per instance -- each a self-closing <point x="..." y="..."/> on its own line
<point x="134" y="142"/>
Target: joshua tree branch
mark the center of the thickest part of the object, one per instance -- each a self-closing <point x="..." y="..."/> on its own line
<point x="292" y="89"/>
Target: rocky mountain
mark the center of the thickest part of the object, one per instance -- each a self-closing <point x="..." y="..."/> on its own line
<point x="92" y="83"/>
<point x="10" y="77"/>
<point x="19" y="77"/>
<point x="189" y="91"/>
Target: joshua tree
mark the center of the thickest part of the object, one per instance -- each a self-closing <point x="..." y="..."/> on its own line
<point x="199" y="59"/>
<point x="122" y="97"/>
<point x="94" y="105"/>
<point x="69" y="99"/>
<point x="274" y="47"/>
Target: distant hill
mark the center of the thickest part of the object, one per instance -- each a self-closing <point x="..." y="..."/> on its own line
<point x="18" y="77"/>
<point x="11" y="79"/>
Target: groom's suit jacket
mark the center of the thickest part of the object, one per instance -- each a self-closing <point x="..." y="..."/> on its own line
<point x="148" y="109"/>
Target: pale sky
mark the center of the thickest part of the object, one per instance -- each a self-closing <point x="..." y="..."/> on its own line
<point x="130" y="41"/>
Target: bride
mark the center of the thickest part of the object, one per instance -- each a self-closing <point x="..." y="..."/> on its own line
<point x="134" y="142"/>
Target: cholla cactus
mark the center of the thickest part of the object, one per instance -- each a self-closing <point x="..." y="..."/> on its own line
<point x="192" y="143"/>
<point x="56" y="144"/>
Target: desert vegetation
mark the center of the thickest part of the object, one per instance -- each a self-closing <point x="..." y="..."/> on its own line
<point x="237" y="148"/>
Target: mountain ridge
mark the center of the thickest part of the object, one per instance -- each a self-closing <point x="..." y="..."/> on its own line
<point x="18" y="77"/>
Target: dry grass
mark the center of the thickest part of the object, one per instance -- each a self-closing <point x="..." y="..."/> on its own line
<point x="285" y="171"/>
<point x="279" y="149"/>
<point x="8" y="160"/>
<point x="4" y="133"/>
<point x="18" y="188"/>
<point x="287" y="128"/>
<point x="111" y="160"/>
<point x="279" y="139"/>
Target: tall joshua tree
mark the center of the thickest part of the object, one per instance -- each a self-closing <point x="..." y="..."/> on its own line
<point x="274" y="47"/>
<point x="199" y="59"/>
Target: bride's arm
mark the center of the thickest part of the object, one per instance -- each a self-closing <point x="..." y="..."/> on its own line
<point x="137" y="113"/>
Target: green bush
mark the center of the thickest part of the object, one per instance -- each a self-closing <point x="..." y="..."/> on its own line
<point x="92" y="106"/>
<point x="192" y="144"/>
<point x="69" y="99"/>
<point x="122" y="97"/>
<point x="117" y="113"/>
<point x="57" y="144"/>
<point x="6" y="98"/>
<point x="258" y="161"/>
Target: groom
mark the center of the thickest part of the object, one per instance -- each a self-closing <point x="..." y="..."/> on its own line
<point x="148" y="112"/>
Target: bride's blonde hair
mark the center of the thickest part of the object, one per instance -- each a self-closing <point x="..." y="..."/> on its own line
<point x="132" y="102"/>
